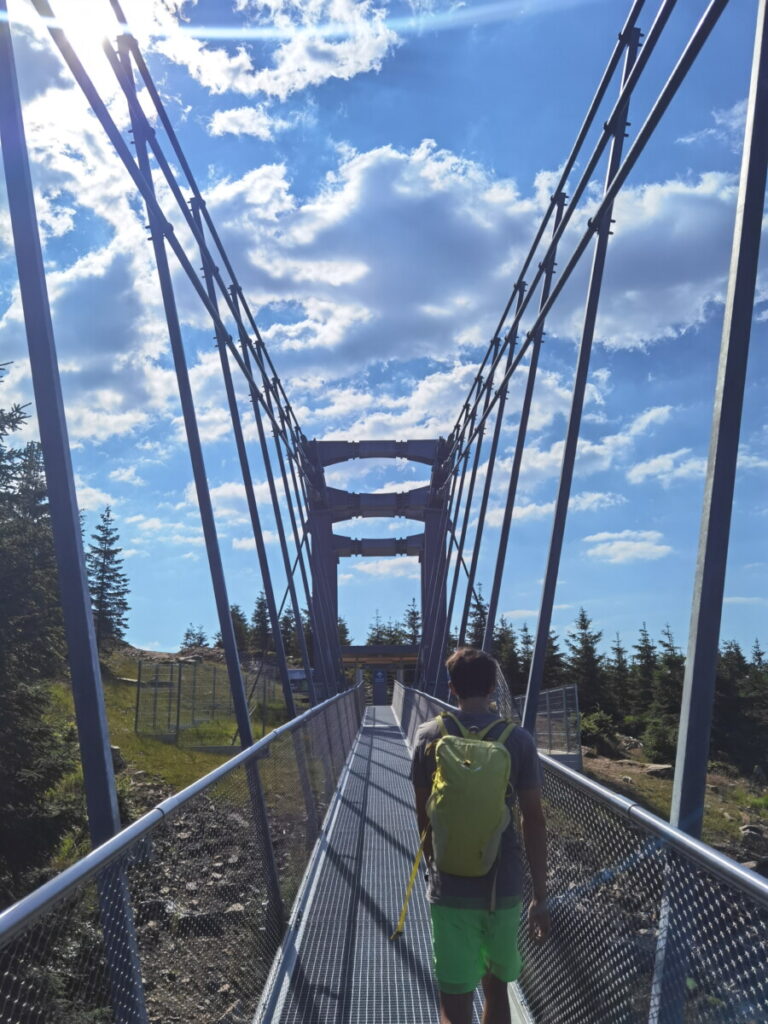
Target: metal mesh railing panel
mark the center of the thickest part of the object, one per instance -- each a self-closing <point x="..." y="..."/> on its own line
<point x="641" y="928"/>
<point x="190" y="915"/>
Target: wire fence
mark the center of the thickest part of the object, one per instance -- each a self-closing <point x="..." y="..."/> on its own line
<point x="179" y="917"/>
<point x="647" y="923"/>
<point x="175" y="700"/>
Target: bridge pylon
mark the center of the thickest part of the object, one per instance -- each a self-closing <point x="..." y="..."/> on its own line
<point x="427" y="504"/>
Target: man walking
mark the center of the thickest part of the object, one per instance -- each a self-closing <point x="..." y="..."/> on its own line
<point x="475" y="917"/>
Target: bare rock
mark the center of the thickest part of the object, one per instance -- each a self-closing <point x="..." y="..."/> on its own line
<point x="660" y="771"/>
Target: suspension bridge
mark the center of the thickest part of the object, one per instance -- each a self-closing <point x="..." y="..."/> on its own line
<point x="267" y="890"/>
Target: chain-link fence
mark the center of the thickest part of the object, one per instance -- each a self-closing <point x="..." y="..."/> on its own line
<point x="176" y="700"/>
<point x="179" y="917"/>
<point x="647" y="923"/>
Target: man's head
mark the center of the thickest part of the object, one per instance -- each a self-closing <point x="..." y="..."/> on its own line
<point x="472" y="673"/>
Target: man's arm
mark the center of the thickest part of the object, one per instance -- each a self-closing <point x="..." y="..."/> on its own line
<point x="534" y="829"/>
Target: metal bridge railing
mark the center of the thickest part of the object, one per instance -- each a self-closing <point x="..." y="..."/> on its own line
<point x="179" y="917"/>
<point x="648" y="924"/>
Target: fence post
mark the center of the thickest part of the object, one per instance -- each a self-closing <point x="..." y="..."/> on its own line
<point x="138" y="698"/>
<point x="214" y="709"/>
<point x="194" y="694"/>
<point x="178" y="706"/>
<point x="155" y="680"/>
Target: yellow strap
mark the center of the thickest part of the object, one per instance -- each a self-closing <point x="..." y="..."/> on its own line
<point x="409" y="888"/>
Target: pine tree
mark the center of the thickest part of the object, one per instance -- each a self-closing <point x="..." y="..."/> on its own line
<point x="36" y="754"/>
<point x="478" y="616"/>
<point x="641" y="676"/>
<point x="261" y="627"/>
<point x="555" y="669"/>
<point x="194" y="636"/>
<point x="584" y="664"/>
<point x="728" y="720"/>
<point x="507" y="655"/>
<point x="411" y="624"/>
<point x="376" y="631"/>
<point x="108" y="583"/>
<point x="344" y="636"/>
<point x="661" y="734"/>
<point x="754" y="695"/>
<point x="617" y="680"/>
<point x="290" y="640"/>
<point x="241" y="630"/>
<point x="526" y="654"/>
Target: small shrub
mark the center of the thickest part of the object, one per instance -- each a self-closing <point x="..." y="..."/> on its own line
<point x="598" y="730"/>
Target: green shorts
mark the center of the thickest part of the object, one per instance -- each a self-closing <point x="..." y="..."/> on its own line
<point x="468" y="944"/>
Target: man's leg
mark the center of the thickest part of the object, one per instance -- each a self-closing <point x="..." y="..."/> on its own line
<point x="496" y="1001"/>
<point x="456" y="1009"/>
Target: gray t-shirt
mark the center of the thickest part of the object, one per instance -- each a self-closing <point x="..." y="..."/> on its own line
<point x="456" y="890"/>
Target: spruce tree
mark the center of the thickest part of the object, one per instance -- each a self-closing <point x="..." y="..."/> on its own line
<point x="411" y="624"/>
<point x="108" y="583"/>
<point x="478" y="616"/>
<point x="376" y="631"/>
<point x="641" y="676"/>
<point x="584" y="664"/>
<point x="343" y="629"/>
<point x="507" y="655"/>
<point x="194" y="636"/>
<point x="241" y="630"/>
<point x="36" y="753"/>
<point x="617" y="680"/>
<point x="526" y="653"/>
<point x="727" y="740"/>
<point x="661" y="734"/>
<point x="261" y="627"/>
<point x="555" y="669"/>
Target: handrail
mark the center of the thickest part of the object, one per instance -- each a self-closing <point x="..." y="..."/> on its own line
<point x="706" y="856"/>
<point x="21" y="914"/>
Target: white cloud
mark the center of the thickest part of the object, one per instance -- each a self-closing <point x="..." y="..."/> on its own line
<point x="745" y="600"/>
<point x="678" y="465"/>
<point x="91" y="498"/>
<point x="309" y="54"/>
<point x="397" y="567"/>
<point x="127" y="475"/>
<point x="728" y="128"/>
<point x="587" y="501"/>
<point x="627" y="546"/>
<point x="254" y="121"/>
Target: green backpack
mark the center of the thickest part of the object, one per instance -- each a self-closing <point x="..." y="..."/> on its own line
<point x="467" y="807"/>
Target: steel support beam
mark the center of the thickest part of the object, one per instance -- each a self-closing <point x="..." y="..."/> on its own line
<point x="231" y="654"/>
<point x="536" y="674"/>
<point x="522" y="431"/>
<point x="120" y="947"/>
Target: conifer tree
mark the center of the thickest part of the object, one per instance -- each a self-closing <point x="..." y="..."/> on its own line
<point x="344" y="636"/>
<point x="641" y="675"/>
<point x="376" y="631"/>
<point x="507" y="655"/>
<point x="661" y="734"/>
<point x="411" y="624"/>
<point x="290" y="640"/>
<point x="727" y="740"/>
<point x="478" y="616"/>
<point x="194" y="636"/>
<point x="261" y="627"/>
<point x="584" y="663"/>
<point x="555" y="669"/>
<point x="36" y="753"/>
<point x="241" y="630"/>
<point x="526" y="653"/>
<point x="617" y="680"/>
<point x="108" y="583"/>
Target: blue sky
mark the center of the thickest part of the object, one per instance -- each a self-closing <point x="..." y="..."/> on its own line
<point x="377" y="183"/>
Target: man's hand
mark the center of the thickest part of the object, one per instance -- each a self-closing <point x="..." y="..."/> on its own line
<point x="538" y="920"/>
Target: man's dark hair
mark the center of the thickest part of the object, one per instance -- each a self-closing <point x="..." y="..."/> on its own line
<point x="472" y="672"/>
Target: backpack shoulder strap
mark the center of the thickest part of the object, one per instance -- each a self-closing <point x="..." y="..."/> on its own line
<point x="503" y="735"/>
<point x="442" y="719"/>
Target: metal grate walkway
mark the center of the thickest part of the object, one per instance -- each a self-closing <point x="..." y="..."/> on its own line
<point x="338" y="965"/>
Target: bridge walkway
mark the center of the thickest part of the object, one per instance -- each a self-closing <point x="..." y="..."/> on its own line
<point x="338" y="963"/>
